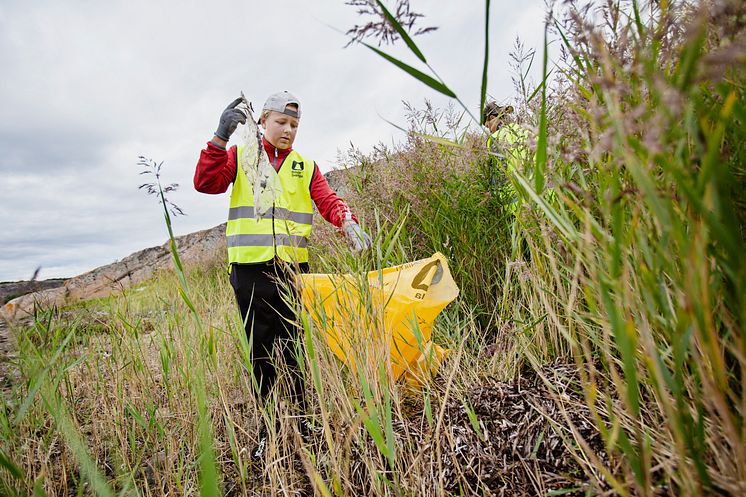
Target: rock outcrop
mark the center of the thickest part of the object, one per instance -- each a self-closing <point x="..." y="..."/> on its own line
<point x="338" y="180"/>
<point x="206" y="246"/>
<point x="12" y="289"/>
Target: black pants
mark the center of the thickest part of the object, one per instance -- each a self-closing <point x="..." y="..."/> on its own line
<point x="269" y="321"/>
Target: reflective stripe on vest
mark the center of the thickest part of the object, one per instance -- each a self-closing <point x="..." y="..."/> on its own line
<point x="267" y="240"/>
<point x="247" y="212"/>
<point x="283" y="235"/>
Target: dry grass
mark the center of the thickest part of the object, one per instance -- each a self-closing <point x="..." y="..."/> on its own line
<point x="126" y="380"/>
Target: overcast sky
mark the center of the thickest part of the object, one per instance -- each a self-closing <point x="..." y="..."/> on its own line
<point x="88" y="86"/>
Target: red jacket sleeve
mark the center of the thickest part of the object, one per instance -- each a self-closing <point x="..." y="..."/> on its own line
<point x="330" y="206"/>
<point x="216" y="169"/>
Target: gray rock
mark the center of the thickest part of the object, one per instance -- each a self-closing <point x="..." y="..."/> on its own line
<point x="338" y="180"/>
<point x="12" y="289"/>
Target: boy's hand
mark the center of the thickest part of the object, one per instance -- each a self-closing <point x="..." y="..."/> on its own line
<point x="230" y="119"/>
<point x="358" y="239"/>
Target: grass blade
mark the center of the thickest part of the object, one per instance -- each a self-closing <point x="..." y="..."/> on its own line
<point x="483" y="93"/>
<point x="10" y="466"/>
<point x="441" y="141"/>
<point x="402" y="32"/>
<point x="638" y="20"/>
<point x="77" y="446"/>
<point x="541" y="145"/>
<point x="39" y="380"/>
<point x="416" y="73"/>
<point x="208" y="473"/>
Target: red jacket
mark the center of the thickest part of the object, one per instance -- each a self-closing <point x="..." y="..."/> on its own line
<point x="216" y="170"/>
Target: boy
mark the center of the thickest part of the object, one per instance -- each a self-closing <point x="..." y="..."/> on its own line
<point x="260" y="253"/>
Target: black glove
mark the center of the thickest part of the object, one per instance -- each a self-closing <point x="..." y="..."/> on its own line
<point x="229" y="120"/>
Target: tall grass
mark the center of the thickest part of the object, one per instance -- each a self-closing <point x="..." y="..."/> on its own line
<point x="631" y="261"/>
<point x="643" y="269"/>
<point x="123" y="371"/>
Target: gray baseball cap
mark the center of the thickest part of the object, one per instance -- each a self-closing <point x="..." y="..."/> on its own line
<point x="278" y="102"/>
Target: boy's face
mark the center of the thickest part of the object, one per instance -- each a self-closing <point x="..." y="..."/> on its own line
<point x="280" y="129"/>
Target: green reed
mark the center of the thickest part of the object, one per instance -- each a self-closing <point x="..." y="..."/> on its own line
<point x="631" y="237"/>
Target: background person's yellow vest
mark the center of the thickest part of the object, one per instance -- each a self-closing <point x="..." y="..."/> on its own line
<point x="285" y="234"/>
<point x="508" y="148"/>
<point x="510" y="143"/>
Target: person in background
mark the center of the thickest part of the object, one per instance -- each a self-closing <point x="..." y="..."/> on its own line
<point x="497" y="117"/>
<point x="262" y="254"/>
<point x="507" y="147"/>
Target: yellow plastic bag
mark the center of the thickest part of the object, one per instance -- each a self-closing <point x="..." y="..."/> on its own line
<point x="386" y="316"/>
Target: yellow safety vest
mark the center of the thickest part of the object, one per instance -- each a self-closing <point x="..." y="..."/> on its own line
<point x="508" y="146"/>
<point x="285" y="233"/>
<point x="510" y="142"/>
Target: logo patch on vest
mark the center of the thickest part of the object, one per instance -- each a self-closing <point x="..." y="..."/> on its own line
<point x="297" y="169"/>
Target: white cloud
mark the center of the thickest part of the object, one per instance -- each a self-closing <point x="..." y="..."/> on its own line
<point x="87" y="87"/>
